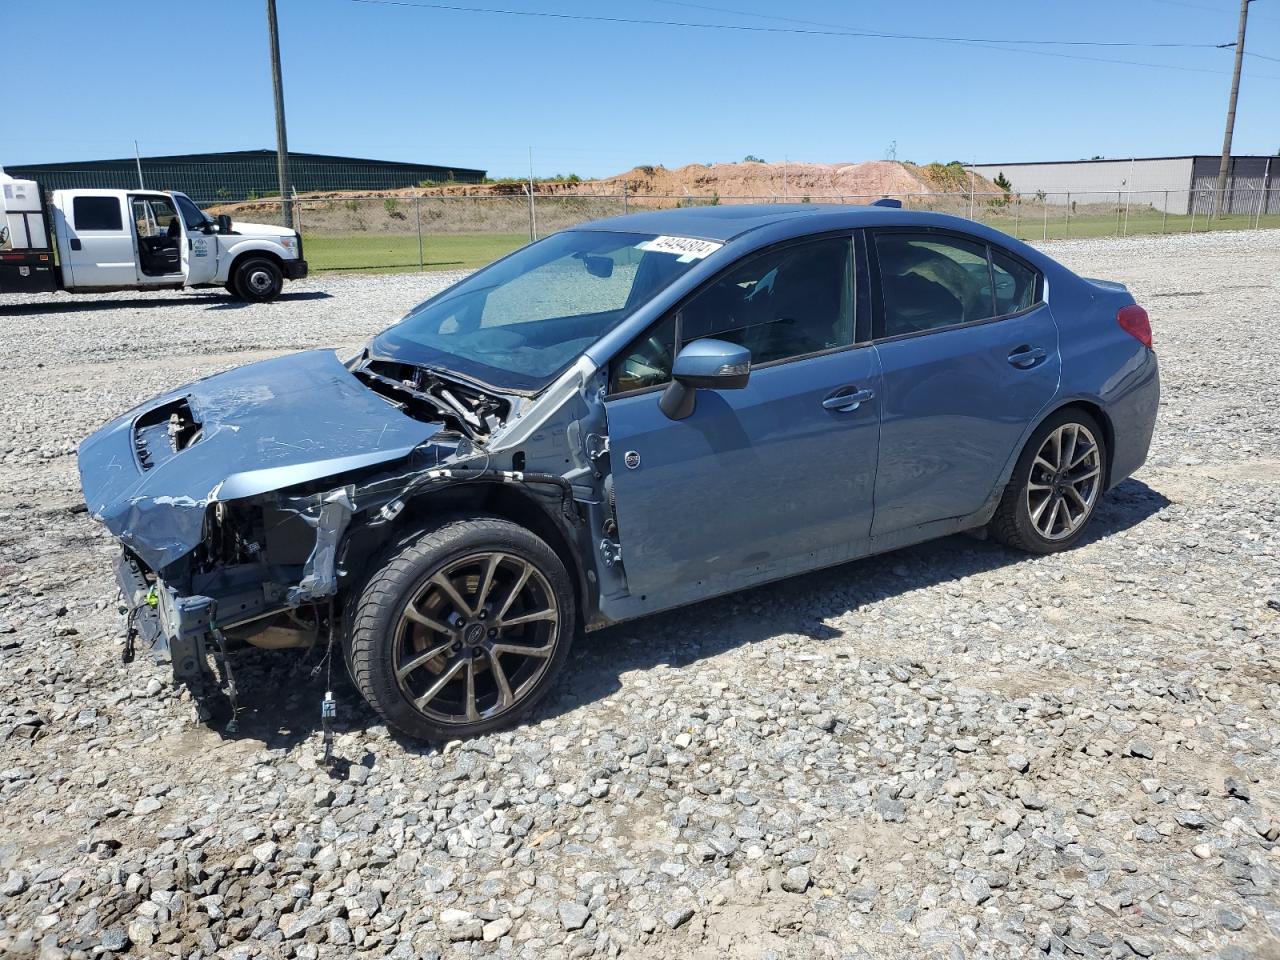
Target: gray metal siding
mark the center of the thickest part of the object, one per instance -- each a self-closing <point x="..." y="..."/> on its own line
<point x="1102" y="181"/>
<point x="1253" y="185"/>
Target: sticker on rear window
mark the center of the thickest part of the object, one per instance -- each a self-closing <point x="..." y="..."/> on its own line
<point x="686" y="248"/>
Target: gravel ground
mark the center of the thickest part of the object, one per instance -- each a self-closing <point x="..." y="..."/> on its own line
<point x="950" y="751"/>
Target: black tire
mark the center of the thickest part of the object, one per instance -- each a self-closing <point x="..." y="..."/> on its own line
<point x="1014" y="524"/>
<point x="380" y="637"/>
<point x="258" y="279"/>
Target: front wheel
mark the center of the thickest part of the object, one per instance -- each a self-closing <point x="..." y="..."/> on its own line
<point x="258" y="280"/>
<point x="1055" y="485"/>
<point x="462" y="630"/>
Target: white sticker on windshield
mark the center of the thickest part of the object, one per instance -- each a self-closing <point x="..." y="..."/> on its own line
<point x="686" y="248"/>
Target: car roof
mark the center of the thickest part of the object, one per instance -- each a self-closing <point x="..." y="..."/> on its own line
<point x="724" y="223"/>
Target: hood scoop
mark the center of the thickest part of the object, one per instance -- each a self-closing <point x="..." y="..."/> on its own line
<point x="163" y="431"/>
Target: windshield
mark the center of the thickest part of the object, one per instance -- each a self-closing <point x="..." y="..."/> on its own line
<point x="521" y="322"/>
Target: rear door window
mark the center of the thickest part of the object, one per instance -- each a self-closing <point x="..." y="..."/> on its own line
<point x="932" y="281"/>
<point x="97" y="213"/>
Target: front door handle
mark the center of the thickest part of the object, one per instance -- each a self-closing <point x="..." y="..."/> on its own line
<point x="1025" y="357"/>
<point x="846" y="399"/>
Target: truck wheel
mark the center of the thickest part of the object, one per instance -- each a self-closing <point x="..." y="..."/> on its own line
<point x="258" y="280"/>
<point x="462" y="630"/>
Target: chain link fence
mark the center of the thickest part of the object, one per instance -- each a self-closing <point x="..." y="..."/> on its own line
<point x="392" y="233"/>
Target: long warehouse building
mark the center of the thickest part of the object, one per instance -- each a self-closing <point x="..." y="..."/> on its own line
<point x="1182" y="185"/>
<point x="240" y="174"/>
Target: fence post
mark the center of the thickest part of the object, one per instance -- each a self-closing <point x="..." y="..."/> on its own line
<point x="1118" y="195"/>
<point x="1045" y="204"/>
<point x="1194" y="200"/>
<point x="626" y="207"/>
<point x="1017" y="210"/>
<point x="1068" y="234"/>
<point x="1265" y="205"/>
<point x="1164" y="220"/>
<point x="417" y="216"/>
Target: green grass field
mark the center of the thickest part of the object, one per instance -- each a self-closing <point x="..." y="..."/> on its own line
<point x="1032" y="225"/>
<point x="397" y="253"/>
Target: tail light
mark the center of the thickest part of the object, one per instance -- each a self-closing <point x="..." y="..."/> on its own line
<point x="1135" y="322"/>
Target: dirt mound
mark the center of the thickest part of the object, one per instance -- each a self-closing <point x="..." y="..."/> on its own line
<point x="773" y="180"/>
<point x="726" y="182"/>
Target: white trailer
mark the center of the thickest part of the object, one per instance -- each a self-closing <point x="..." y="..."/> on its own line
<point x="87" y="241"/>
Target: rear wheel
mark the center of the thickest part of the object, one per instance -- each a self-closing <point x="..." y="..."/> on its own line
<point x="1055" y="485"/>
<point x="258" y="279"/>
<point x="462" y="630"/>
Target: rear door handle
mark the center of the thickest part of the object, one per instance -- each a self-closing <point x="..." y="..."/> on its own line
<point x="846" y="399"/>
<point x="76" y="244"/>
<point x="1025" y="356"/>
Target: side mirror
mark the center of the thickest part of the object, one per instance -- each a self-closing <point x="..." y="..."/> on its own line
<point x="705" y="364"/>
<point x="224" y="223"/>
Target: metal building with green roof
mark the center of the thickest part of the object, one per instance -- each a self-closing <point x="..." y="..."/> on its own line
<point x="241" y="174"/>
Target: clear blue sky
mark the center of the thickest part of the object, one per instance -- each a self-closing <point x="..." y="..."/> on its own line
<point x="477" y="90"/>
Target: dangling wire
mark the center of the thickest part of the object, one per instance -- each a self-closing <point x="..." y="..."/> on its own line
<point x="328" y="706"/>
<point x="224" y="662"/>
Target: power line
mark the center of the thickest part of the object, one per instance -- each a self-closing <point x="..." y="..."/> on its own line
<point x="860" y="34"/>
<point x="836" y="32"/>
<point x="843" y="30"/>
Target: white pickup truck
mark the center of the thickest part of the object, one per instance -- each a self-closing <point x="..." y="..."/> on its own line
<point x="87" y="241"/>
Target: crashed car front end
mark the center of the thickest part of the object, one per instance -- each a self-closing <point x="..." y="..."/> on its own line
<point x="232" y="496"/>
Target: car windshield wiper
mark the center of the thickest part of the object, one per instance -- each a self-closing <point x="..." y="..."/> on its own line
<point x="449" y="408"/>
<point x="455" y="390"/>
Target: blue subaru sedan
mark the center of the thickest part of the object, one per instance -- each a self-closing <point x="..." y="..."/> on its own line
<point x="624" y="417"/>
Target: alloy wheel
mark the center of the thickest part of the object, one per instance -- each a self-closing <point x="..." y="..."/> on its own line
<point x="1066" y="477"/>
<point x="476" y="637"/>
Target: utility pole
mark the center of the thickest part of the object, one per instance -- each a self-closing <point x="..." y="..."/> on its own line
<point x="282" y="141"/>
<point x="137" y="158"/>
<point x="1223" y="167"/>
<point x="533" y="214"/>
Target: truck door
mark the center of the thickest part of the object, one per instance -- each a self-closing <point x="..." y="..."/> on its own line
<point x="161" y="239"/>
<point x="200" y="250"/>
<point x="94" y="241"/>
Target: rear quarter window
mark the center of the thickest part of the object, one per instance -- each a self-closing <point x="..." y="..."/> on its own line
<point x="1017" y="285"/>
<point x="97" y="213"/>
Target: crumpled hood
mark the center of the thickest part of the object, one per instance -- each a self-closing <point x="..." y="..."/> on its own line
<point x="263" y="427"/>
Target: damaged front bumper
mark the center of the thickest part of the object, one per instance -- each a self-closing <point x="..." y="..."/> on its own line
<point x="170" y="628"/>
<point x="176" y="626"/>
